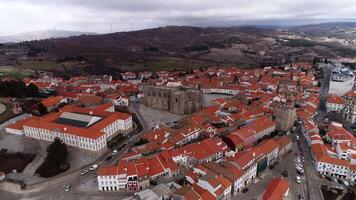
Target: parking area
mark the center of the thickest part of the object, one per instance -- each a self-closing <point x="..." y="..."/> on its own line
<point x="155" y="117"/>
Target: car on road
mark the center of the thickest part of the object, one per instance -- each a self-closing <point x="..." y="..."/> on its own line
<point x="301" y="197"/>
<point x="245" y="190"/>
<point x="92" y="168"/>
<point x="340" y="187"/>
<point x="346" y="183"/>
<point x="85" y="171"/>
<point x="300" y="172"/>
<point x="329" y="178"/>
<point x="298" y="179"/>
<point x="67" y="188"/>
<point x="113" y="153"/>
<point x="255" y="181"/>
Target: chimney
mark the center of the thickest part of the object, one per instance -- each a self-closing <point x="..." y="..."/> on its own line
<point x="65" y="128"/>
<point x="91" y="112"/>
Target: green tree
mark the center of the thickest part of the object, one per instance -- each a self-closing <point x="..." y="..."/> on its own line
<point x="57" y="153"/>
<point x="32" y="90"/>
<point x="42" y="109"/>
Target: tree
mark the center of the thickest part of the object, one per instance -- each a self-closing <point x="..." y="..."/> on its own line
<point x="20" y="89"/>
<point x="42" y="109"/>
<point x="31" y="90"/>
<point x="57" y="152"/>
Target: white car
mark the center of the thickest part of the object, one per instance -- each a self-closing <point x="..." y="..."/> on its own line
<point x="346" y="183"/>
<point x="297" y="179"/>
<point x="67" y="188"/>
<point x="114" y="152"/>
<point x="85" y="171"/>
<point x="92" y="168"/>
<point x="255" y="181"/>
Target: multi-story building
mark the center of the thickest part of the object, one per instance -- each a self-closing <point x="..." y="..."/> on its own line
<point x="284" y="117"/>
<point x="349" y="111"/>
<point x="334" y="103"/>
<point x="135" y="175"/>
<point x="338" y="161"/>
<point x="83" y="128"/>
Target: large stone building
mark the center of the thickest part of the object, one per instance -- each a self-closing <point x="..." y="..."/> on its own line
<point x="285" y="116"/>
<point x="176" y="100"/>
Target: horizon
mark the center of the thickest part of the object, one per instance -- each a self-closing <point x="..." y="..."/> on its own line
<point x="212" y="26"/>
<point x="18" y="16"/>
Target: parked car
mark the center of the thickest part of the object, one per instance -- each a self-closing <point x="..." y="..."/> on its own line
<point x="245" y="190"/>
<point x="85" y="171"/>
<point x="329" y="178"/>
<point x="298" y="179"/>
<point x="92" y="168"/>
<point x="346" y="183"/>
<point x="113" y="153"/>
<point x="255" y="181"/>
<point x="67" y="188"/>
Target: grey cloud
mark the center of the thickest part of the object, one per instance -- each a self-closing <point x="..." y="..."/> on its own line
<point x="27" y="15"/>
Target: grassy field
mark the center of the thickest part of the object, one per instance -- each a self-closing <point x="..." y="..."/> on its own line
<point x="39" y="65"/>
<point x="15" y="72"/>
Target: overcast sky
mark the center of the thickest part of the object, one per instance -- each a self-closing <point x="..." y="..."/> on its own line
<point x="30" y="15"/>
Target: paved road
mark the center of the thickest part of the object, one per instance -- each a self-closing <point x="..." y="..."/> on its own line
<point x="312" y="178"/>
<point x="53" y="188"/>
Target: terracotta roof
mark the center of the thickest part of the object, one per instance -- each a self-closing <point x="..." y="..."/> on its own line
<point x="51" y="101"/>
<point x="276" y="189"/>
<point x="188" y="193"/>
<point x="268" y="146"/>
<point x="334" y="99"/>
<point x="93" y="131"/>
<point x="108" y="171"/>
<point x="283" y="141"/>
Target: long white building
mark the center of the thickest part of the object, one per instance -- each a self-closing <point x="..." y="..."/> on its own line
<point x="87" y="129"/>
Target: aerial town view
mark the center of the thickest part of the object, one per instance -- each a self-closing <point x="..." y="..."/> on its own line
<point x="177" y="100"/>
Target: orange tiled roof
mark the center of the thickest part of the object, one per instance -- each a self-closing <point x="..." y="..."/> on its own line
<point x="276" y="189"/>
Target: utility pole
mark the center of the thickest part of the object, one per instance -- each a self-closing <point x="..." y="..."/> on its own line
<point x="110" y="28"/>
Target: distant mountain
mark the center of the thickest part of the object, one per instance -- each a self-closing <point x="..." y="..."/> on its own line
<point x="344" y="30"/>
<point x="40" y="35"/>
<point x="171" y="48"/>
